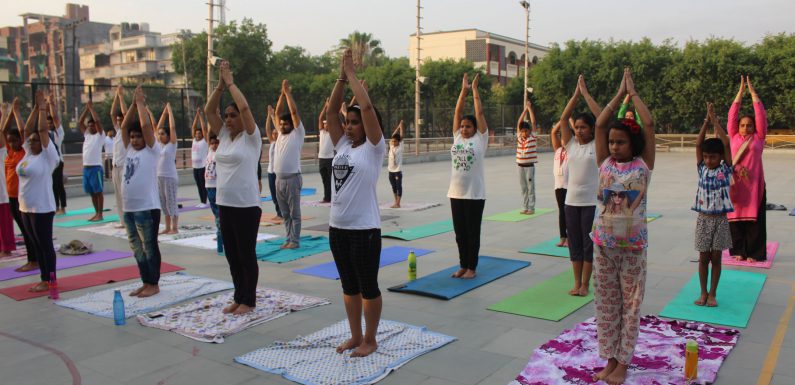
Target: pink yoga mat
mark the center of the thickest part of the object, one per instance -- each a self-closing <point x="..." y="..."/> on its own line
<point x="62" y="263"/>
<point x="82" y="281"/>
<point x="772" y="248"/>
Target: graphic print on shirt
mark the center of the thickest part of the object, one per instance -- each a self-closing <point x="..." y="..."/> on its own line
<point x="463" y="156"/>
<point x="130" y="168"/>
<point x="341" y="170"/>
<point x="21" y="168"/>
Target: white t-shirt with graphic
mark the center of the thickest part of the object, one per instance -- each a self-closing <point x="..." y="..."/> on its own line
<point x="236" y="163"/>
<point x="326" y="146"/>
<point x="583" y="173"/>
<point x="119" y="152"/>
<point x="395" y="158"/>
<point x="57" y="138"/>
<point x="467" y="180"/>
<point x="139" y="185"/>
<point x="287" y="159"/>
<point x="354" y="203"/>
<point x="35" y="179"/>
<point x="560" y="168"/>
<point x="210" y="175"/>
<point x="167" y="162"/>
<point x="271" y="156"/>
<point x="92" y="148"/>
<point x="198" y="153"/>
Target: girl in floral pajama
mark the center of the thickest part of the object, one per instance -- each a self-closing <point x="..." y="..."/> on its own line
<point x="625" y="153"/>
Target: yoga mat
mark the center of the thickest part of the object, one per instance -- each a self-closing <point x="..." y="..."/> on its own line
<point x="173" y="289"/>
<point x="315" y="203"/>
<point x="389" y="256"/>
<point x="772" y="249"/>
<point x="203" y="319"/>
<point x="324" y="227"/>
<point x="269" y="251"/>
<point x="85" y="222"/>
<point x="63" y="263"/>
<point x="422" y="231"/>
<point x="267" y="219"/>
<point x="313" y="360"/>
<point x="85" y="211"/>
<point x="16" y="255"/>
<point x="185" y="231"/>
<point x="304" y="192"/>
<point x="738" y="292"/>
<point x="83" y="281"/>
<point x="549" y="300"/>
<point x="209" y="243"/>
<point x="441" y="285"/>
<point x="572" y="358"/>
<point x="792" y="213"/>
<point x="408" y="206"/>
<point x="516" y="215"/>
<point x="548" y="248"/>
<point x="186" y="209"/>
<point x="652" y="217"/>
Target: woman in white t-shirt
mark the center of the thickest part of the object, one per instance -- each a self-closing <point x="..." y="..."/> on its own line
<point x="467" y="191"/>
<point x="583" y="182"/>
<point x="355" y="221"/>
<point x="395" y="164"/>
<point x="139" y="193"/>
<point x="560" y="171"/>
<point x="198" y="155"/>
<point x="167" y="178"/>
<point x="237" y="197"/>
<point x="36" y="198"/>
<point x="272" y="135"/>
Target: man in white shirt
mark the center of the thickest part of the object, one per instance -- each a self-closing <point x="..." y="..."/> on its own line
<point x="117" y="111"/>
<point x="108" y="149"/>
<point x="93" y="141"/>
<point x="56" y="138"/>
<point x="287" y="165"/>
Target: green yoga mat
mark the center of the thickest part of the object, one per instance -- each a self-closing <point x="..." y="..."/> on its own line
<point x="548" y="248"/>
<point x="517" y="216"/>
<point x="737" y="295"/>
<point x="423" y="231"/>
<point x="652" y="217"/>
<point x="270" y="251"/>
<point x="549" y="300"/>
<point x="85" y="211"/>
<point x="85" y="222"/>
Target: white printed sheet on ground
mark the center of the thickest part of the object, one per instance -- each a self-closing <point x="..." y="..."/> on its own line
<point x="408" y="206"/>
<point x="313" y="359"/>
<point x="208" y="241"/>
<point x="315" y="203"/>
<point x="173" y="289"/>
<point x="185" y="231"/>
<point x="204" y="320"/>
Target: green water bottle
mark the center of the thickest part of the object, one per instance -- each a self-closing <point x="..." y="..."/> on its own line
<point x="412" y="266"/>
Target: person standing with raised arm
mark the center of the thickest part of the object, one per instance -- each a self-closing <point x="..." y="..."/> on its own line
<point x="16" y="152"/>
<point x="526" y="158"/>
<point x="272" y="134"/>
<point x="7" y="241"/>
<point x="93" y="141"/>
<point x="748" y="222"/>
<point x="287" y="166"/>
<point x="238" y="195"/>
<point x="117" y="112"/>
<point x="325" y="154"/>
<point x="167" y="178"/>
<point x="139" y="190"/>
<point x="355" y="220"/>
<point x="395" y="164"/>
<point x="211" y="181"/>
<point x="582" y="184"/>
<point x="198" y="156"/>
<point x="56" y="135"/>
<point x="560" y="171"/>
<point x="467" y="190"/>
<point x="36" y="198"/>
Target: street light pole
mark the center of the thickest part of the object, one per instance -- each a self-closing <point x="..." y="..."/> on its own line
<point x="417" y="87"/>
<point x="526" y="7"/>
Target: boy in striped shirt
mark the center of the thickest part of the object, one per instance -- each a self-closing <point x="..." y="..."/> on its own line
<point x="526" y="158"/>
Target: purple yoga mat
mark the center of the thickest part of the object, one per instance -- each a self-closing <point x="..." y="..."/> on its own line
<point x="68" y="262"/>
<point x="186" y="209"/>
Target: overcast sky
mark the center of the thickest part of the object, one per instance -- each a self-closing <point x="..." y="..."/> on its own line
<point x="317" y="25"/>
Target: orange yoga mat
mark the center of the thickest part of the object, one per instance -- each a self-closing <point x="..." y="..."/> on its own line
<point x="82" y="281"/>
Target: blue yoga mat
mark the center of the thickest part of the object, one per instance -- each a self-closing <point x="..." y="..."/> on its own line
<point x="270" y="251"/>
<point x="441" y="285"/>
<point x="389" y="256"/>
<point x="304" y="192"/>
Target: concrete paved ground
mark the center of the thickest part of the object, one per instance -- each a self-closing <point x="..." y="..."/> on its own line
<point x="492" y="348"/>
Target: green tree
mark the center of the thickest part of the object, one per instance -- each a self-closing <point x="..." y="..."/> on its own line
<point x="366" y="50"/>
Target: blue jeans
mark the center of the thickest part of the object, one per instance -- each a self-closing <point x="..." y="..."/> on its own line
<point x="219" y="243"/>
<point x="142" y="228"/>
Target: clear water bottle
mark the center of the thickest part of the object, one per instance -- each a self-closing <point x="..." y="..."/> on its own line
<point x="118" y="308"/>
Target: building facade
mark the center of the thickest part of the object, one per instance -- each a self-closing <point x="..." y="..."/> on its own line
<point x="500" y="56"/>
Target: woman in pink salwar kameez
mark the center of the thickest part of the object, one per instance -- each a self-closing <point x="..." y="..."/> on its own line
<point x="747" y="192"/>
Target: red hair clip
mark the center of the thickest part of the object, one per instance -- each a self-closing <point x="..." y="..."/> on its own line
<point x="634" y="127"/>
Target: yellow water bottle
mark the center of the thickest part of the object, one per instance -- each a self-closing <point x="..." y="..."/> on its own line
<point x="412" y="266"/>
<point x="691" y="360"/>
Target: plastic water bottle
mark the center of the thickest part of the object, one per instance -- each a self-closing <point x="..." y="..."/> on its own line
<point x="118" y="308"/>
<point x="412" y="266"/>
<point x="691" y="360"/>
<point x="53" y="284"/>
